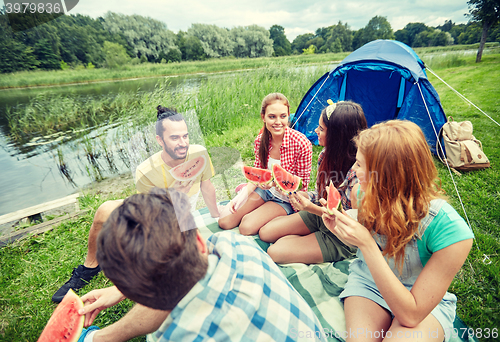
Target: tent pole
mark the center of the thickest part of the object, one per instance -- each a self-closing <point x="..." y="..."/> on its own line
<point x="311" y="99"/>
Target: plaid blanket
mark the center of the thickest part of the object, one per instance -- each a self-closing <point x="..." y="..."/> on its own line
<point x="319" y="284"/>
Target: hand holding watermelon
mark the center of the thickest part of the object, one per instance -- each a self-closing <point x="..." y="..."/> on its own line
<point x="183" y="186"/>
<point x="300" y="200"/>
<point x="348" y="230"/>
<point x="66" y="323"/>
<point x="97" y="300"/>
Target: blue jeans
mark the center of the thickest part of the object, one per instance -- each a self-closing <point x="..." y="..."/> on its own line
<point x="267" y="196"/>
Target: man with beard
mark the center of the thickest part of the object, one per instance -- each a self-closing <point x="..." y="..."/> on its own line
<point x="172" y="135"/>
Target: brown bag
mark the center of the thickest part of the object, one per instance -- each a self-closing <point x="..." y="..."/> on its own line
<point x="463" y="151"/>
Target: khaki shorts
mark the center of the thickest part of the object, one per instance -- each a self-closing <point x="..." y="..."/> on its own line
<point x="331" y="247"/>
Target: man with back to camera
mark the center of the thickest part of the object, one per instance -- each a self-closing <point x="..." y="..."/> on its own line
<point x="186" y="288"/>
<point x="172" y="135"/>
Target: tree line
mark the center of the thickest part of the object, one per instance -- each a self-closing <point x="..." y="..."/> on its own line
<point x="115" y="39"/>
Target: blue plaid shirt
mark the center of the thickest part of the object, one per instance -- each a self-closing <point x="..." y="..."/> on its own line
<point x="243" y="297"/>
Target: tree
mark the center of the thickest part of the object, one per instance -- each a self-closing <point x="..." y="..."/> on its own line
<point x="488" y="13"/>
<point x="193" y="50"/>
<point x="311" y="50"/>
<point x="357" y="39"/>
<point x="251" y="41"/>
<point x="338" y="38"/>
<point x="116" y="55"/>
<point x="377" y="28"/>
<point x="147" y="37"/>
<point x="173" y="55"/>
<point x="300" y="42"/>
<point x="16" y="56"/>
<point x="281" y="44"/>
<point x="44" y="54"/>
<point x="409" y="33"/>
<point x="216" y="41"/>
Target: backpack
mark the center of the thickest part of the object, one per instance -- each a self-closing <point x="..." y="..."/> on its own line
<point x="463" y="151"/>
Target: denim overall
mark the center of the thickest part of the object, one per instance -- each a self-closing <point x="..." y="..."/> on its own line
<point x="361" y="283"/>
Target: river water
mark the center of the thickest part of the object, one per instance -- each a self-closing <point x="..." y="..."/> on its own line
<point x="31" y="173"/>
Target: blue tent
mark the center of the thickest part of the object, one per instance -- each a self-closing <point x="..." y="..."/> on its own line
<point x="387" y="79"/>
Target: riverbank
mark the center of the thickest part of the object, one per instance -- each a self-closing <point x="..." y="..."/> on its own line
<point x="81" y="75"/>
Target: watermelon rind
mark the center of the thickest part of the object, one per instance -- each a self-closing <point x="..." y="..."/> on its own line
<point x="253" y="181"/>
<point x="177" y="172"/>
<point x="277" y="169"/>
<point x="66" y="323"/>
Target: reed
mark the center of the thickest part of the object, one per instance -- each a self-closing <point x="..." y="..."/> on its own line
<point x="214" y="65"/>
<point x="220" y="102"/>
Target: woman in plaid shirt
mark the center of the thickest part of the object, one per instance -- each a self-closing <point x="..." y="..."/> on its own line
<point x="303" y="237"/>
<point x="277" y="144"/>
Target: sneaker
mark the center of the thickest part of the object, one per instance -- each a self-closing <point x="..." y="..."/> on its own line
<point x="79" y="278"/>
<point x="87" y="332"/>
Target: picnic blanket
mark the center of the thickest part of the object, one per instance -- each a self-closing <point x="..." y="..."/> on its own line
<point x="319" y="284"/>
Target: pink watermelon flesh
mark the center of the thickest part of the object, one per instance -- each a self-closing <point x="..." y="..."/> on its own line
<point x="287" y="182"/>
<point x="66" y="323"/>
<point x="334" y="199"/>
<point x="257" y="176"/>
<point x="189" y="170"/>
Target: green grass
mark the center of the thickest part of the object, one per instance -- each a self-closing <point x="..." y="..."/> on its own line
<point x="70" y="76"/>
<point x="477" y="286"/>
<point x="227" y="108"/>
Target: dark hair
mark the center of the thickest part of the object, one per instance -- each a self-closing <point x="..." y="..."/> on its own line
<point x="346" y="121"/>
<point x="166" y="113"/>
<point x="148" y="249"/>
<point x="266" y="135"/>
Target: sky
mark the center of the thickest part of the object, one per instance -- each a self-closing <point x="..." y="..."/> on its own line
<point x="296" y="16"/>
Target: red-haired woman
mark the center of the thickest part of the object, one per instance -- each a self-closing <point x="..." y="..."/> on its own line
<point x="277" y="144"/>
<point x="411" y="243"/>
<point x="302" y="237"/>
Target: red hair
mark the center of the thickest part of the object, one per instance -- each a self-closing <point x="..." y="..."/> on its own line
<point x="401" y="183"/>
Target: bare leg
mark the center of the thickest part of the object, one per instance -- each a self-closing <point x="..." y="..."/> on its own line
<point x="232" y="220"/>
<point x="282" y="226"/>
<point x="253" y="221"/>
<point x="140" y="320"/>
<point x="428" y="330"/>
<point x="100" y="217"/>
<point x="365" y="320"/>
<point x="295" y="248"/>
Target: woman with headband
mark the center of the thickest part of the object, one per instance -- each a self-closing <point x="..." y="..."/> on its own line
<point x="303" y="237"/>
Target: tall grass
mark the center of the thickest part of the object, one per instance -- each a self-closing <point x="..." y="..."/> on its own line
<point x="221" y="102"/>
<point x="44" y="78"/>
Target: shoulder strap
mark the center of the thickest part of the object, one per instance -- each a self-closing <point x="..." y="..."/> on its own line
<point x="434" y="208"/>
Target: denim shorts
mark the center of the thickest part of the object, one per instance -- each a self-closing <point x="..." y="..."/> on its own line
<point x="267" y="196"/>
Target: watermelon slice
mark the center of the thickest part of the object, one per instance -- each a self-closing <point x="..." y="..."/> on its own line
<point x="284" y="180"/>
<point x="257" y="176"/>
<point x="189" y="170"/>
<point x="66" y="323"/>
<point x="334" y="199"/>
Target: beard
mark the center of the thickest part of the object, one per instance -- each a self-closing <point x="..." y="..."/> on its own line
<point x="174" y="154"/>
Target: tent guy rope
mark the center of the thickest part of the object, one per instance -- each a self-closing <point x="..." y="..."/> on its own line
<point x="461" y="96"/>
<point x="440" y="146"/>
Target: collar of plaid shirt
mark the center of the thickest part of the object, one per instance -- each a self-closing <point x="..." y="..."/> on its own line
<point x="286" y="139"/>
